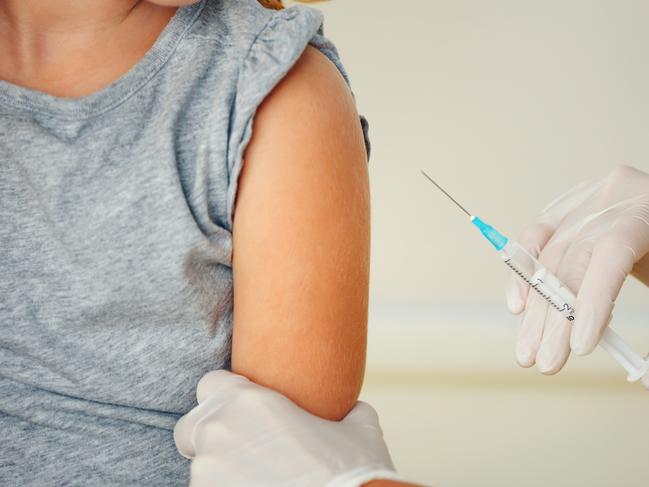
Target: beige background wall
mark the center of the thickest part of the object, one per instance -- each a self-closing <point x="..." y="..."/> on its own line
<point x="508" y="104"/>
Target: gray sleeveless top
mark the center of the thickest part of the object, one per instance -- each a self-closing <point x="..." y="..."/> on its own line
<point x="115" y="245"/>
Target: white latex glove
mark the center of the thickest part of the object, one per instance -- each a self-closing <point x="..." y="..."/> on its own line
<point x="590" y="238"/>
<point x="243" y="434"/>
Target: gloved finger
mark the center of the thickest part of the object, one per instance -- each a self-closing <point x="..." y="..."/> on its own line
<point x="620" y="248"/>
<point x="216" y="435"/>
<point x="202" y="421"/>
<point x="609" y="266"/>
<point x="531" y="331"/>
<point x="185" y="427"/>
<point x="214" y="390"/>
<point x="217" y="382"/>
<point x="555" y="344"/>
<point x="532" y="239"/>
<point x="183" y="436"/>
<point x="536" y="309"/>
<point x="362" y="414"/>
<point x="554" y="349"/>
<point x="574" y="263"/>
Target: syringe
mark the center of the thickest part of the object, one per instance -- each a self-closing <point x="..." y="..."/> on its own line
<point x="553" y="291"/>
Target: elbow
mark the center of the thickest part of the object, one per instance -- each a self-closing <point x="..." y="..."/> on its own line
<point x="325" y="384"/>
<point x="327" y="399"/>
<point x="334" y="397"/>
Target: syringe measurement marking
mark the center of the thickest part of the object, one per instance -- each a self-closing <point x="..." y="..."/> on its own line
<point x="566" y="308"/>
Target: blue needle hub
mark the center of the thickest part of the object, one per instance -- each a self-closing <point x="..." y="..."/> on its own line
<point x="496" y="238"/>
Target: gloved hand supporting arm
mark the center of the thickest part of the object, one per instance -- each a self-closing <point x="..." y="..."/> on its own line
<point x="245" y="434"/>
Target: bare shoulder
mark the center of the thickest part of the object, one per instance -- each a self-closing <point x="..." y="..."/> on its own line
<point x="301" y="243"/>
<point x="314" y="77"/>
<point x="314" y="101"/>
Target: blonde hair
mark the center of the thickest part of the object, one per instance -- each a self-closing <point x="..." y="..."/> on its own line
<point x="274" y="4"/>
<point x="278" y="5"/>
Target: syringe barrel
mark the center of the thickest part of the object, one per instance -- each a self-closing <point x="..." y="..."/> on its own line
<point x="563" y="300"/>
<point x="546" y="284"/>
<point x="634" y="364"/>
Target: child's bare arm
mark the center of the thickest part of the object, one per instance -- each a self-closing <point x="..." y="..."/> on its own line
<point x="302" y="241"/>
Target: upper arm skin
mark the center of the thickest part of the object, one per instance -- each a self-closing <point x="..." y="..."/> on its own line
<point x="301" y="243"/>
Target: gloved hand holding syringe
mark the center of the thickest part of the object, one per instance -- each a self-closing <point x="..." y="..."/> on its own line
<point x="552" y="290"/>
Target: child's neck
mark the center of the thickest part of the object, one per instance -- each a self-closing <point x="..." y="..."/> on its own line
<point x="72" y="48"/>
